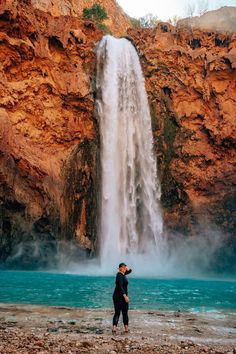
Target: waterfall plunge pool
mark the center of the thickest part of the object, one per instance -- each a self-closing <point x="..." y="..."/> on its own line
<point x="56" y="289"/>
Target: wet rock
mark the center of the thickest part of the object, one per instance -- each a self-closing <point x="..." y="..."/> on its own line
<point x="85" y="344"/>
<point x="194" y="146"/>
<point x="52" y="329"/>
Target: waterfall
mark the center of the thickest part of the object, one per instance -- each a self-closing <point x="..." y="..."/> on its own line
<point x="131" y="219"/>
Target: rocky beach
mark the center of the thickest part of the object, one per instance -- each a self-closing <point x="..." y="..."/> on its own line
<point x="41" y="329"/>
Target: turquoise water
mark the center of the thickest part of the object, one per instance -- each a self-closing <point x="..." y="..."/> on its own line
<point x="92" y="291"/>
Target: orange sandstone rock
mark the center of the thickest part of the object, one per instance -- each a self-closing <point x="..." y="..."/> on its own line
<point x="49" y="136"/>
<point x="46" y="116"/>
<point x="191" y="84"/>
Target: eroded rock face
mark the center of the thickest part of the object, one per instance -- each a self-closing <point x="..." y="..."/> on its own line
<point x="46" y="120"/>
<point x="191" y="84"/>
<point x="49" y="146"/>
<point x="223" y="19"/>
<point x="118" y="22"/>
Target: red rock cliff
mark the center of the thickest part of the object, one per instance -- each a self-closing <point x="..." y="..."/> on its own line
<point x="118" y="22"/>
<point x="49" y="137"/>
<point x="49" y="147"/>
<point x="191" y="84"/>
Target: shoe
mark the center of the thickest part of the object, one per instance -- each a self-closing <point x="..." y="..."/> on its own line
<point x="114" y="329"/>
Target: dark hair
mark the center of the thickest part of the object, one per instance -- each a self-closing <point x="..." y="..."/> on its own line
<point x="122" y="265"/>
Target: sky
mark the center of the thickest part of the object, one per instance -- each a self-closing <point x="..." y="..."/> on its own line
<point x="166" y="9"/>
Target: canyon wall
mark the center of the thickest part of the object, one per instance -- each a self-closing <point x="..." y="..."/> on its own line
<point x="49" y="134"/>
<point x="49" y="137"/>
<point x="191" y="84"/>
<point x="117" y="22"/>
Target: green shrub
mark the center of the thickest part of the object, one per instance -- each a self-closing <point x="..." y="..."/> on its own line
<point x="98" y="14"/>
<point x="104" y="28"/>
<point x="95" y="13"/>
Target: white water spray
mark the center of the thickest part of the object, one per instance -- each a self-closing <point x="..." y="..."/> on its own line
<point x="131" y="220"/>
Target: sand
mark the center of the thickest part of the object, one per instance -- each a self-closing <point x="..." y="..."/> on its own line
<point x="42" y="329"/>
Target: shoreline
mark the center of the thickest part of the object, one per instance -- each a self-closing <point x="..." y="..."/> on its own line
<point x="60" y="329"/>
<point x="207" y="311"/>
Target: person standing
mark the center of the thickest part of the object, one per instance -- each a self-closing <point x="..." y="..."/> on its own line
<point x="120" y="297"/>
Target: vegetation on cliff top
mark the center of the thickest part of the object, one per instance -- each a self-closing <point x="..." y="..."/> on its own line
<point x="98" y="14"/>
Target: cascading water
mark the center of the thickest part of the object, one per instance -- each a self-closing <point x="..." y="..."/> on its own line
<point x="131" y="220"/>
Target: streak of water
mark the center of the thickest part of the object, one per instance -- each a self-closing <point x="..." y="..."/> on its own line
<point x="131" y="219"/>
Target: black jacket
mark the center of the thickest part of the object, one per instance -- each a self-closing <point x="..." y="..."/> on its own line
<point x="121" y="285"/>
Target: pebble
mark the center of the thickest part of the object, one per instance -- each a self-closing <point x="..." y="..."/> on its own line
<point x="43" y="338"/>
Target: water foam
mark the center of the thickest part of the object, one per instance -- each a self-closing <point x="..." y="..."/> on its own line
<point x="131" y="219"/>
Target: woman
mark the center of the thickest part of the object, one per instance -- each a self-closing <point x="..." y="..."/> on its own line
<point x="120" y="297"/>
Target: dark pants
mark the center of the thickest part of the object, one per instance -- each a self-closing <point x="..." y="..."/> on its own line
<point x="123" y="306"/>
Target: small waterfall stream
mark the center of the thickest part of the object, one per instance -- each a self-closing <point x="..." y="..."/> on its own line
<point x="131" y="219"/>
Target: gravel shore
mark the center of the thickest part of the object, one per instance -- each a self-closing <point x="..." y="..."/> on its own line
<point x="40" y="329"/>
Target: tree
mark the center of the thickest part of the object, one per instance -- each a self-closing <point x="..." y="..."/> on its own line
<point x="173" y="21"/>
<point x="95" y="13"/>
<point x="190" y="9"/>
<point x="98" y="14"/>
<point x="198" y="8"/>
<point x="202" y="7"/>
<point x="148" y="21"/>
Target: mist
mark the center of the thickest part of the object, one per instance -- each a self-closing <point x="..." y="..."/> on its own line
<point x="208" y="254"/>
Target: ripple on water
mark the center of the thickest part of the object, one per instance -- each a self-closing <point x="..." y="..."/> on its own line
<point x="80" y="291"/>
